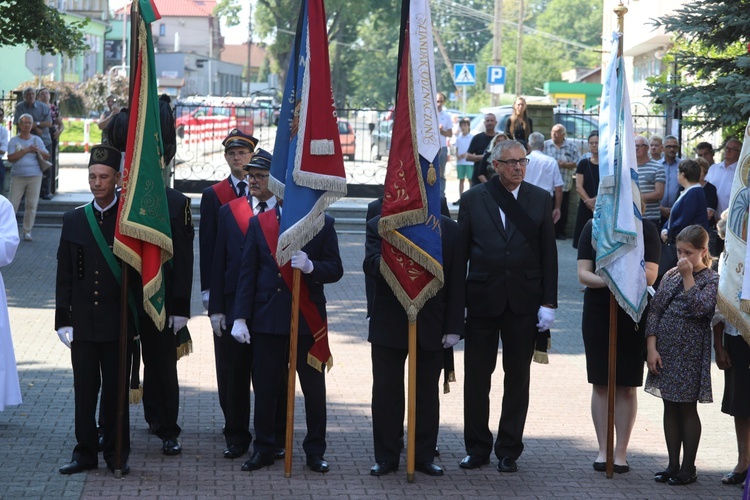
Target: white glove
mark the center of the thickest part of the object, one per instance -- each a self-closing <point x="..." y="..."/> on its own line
<point x="204" y="298"/>
<point x="546" y="317"/>
<point x="450" y="340"/>
<point x="66" y="335"/>
<point x="177" y="323"/>
<point x="218" y="321"/>
<point x="301" y="262"/>
<point x="240" y="331"/>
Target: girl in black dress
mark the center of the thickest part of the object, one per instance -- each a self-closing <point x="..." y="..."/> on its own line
<point x="519" y="126"/>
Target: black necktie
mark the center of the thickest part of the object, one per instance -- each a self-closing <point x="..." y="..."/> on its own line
<point x="241" y="188"/>
<point x="262" y="206"/>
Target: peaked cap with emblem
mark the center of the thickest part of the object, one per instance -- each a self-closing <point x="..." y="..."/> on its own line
<point x="105" y="155"/>
<point x="237" y="139"/>
<point x="261" y="159"/>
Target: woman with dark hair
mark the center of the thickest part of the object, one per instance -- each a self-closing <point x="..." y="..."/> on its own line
<point x="587" y="186"/>
<point x="519" y="126"/>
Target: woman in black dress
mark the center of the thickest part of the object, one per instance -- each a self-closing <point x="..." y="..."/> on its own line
<point x="519" y="126"/>
<point x="587" y="185"/>
<point x="630" y="343"/>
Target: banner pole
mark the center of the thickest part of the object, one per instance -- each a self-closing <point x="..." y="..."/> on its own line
<point x="411" y="426"/>
<point x="293" y="333"/>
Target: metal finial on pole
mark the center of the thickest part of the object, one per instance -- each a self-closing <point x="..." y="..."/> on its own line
<point x="620" y="10"/>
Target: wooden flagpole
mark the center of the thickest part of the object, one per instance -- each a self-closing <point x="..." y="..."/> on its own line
<point x="620" y="10"/>
<point x="411" y="426"/>
<point x="611" y="384"/>
<point x="122" y="354"/>
<point x="293" y="335"/>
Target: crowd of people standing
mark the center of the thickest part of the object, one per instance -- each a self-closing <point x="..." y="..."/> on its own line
<point x="516" y="209"/>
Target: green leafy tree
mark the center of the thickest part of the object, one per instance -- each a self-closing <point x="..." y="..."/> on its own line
<point x="712" y="84"/>
<point x="34" y="24"/>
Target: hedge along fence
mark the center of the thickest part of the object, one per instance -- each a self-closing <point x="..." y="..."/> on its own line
<point x="79" y="135"/>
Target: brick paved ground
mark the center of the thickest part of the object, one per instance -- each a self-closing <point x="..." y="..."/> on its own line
<point x="37" y="437"/>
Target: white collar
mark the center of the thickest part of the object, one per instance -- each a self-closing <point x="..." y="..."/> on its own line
<point x="102" y="210"/>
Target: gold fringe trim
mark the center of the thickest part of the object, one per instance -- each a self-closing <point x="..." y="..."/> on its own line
<point x="412" y="307"/>
<point x="317" y="364"/>
<point x="541" y="357"/>
<point x="745" y="306"/>
<point x="451" y="376"/>
<point x="739" y="320"/>
<point x="446" y="388"/>
<point x="431" y="175"/>
<point x="184" y="349"/>
<point x="136" y="395"/>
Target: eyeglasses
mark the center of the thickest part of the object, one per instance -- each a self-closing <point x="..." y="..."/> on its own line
<point x="733" y="149"/>
<point x="256" y="177"/>
<point x="671" y="146"/>
<point x="513" y="162"/>
<point x="641" y="145"/>
<point x="235" y="154"/>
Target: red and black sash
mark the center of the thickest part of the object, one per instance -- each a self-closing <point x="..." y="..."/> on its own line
<point x="242" y="212"/>
<point x="320" y="353"/>
<point x="225" y="191"/>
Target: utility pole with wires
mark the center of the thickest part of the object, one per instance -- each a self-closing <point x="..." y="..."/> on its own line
<point x="497" y="43"/>
<point x="519" y="46"/>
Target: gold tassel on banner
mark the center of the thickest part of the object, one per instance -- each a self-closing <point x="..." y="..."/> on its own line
<point x="431" y="175"/>
<point x="136" y="395"/>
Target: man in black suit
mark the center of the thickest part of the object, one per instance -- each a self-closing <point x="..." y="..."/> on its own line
<point x="439" y="326"/>
<point x="507" y="239"/>
<point x="87" y="313"/>
<point x="262" y="312"/>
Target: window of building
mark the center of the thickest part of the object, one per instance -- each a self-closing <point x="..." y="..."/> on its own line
<point x="162" y="29"/>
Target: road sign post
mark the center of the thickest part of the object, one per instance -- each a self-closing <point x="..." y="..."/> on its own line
<point x="464" y="74"/>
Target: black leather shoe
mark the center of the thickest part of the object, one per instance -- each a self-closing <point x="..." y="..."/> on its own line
<point x="383" y="468"/>
<point x="600" y="466"/>
<point x="258" y="461"/>
<point x="734" y="478"/>
<point x="507" y="464"/>
<point x="317" y="464"/>
<point x="279" y="453"/>
<point x="125" y="469"/>
<point x="473" y="462"/>
<point x="74" y="468"/>
<point x="664" y="476"/>
<point x="621" y="469"/>
<point x="171" y="447"/>
<point x="681" y="480"/>
<point x="234" y="451"/>
<point x="429" y="468"/>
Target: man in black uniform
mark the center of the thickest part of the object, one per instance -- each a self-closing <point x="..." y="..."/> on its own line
<point x="161" y="390"/>
<point x="87" y="314"/>
<point x="440" y="325"/>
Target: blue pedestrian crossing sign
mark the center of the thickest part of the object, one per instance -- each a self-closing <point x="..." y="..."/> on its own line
<point x="496" y="75"/>
<point x="465" y="74"/>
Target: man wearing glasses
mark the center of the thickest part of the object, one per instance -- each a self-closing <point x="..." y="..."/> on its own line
<point x="671" y="162"/>
<point x="233" y="222"/>
<point x="238" y="151"/>
<point x="507" y="239"/>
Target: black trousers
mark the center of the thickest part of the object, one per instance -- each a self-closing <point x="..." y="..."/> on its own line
<point x="563" y="222"/>
<point x="480" y="358"/>
<point x="161" y="388"/>
<point x="270" y="361"/>
<point x="222" y="351"/>
<point x="388" y="402"/>
<point x="238" y="370"/>
<point x="95" y="366"/>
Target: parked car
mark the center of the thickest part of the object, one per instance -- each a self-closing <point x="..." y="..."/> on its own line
<point x="266" y="110"/>
<point x="381" y="140"/>
<point x="215" y="120"/>
<point x="348" y="139"/>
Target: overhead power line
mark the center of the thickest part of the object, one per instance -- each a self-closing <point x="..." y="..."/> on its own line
<point x="483" y="16"/>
